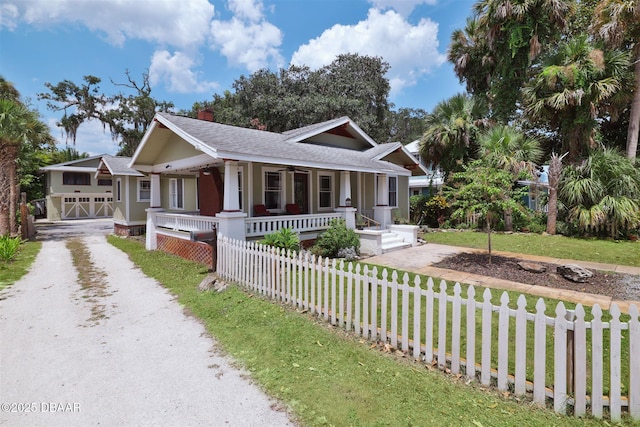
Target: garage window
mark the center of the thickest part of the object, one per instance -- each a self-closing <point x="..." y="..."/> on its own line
<point x="76" y="178"/>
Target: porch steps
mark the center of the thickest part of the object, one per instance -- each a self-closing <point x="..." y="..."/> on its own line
<point x="392" y="242"/>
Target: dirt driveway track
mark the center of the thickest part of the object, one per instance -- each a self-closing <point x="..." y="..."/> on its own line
<point x="127" y="355"/>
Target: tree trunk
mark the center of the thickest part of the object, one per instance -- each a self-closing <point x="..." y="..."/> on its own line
<point x="552" y="213"/>
<point x="489" y="236"/>
<point x="12" y="156"/>
<point x="4" y="191"/>
<point x="634" y="117"/>
<point x="508" y="220"/>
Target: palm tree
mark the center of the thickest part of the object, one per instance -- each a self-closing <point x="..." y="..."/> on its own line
<point x="555" y="172"/>
<point x="452" y="129"/>
<point x="603" y="190"/>
<point x="503" y="147"/>
<point x="575" y="86"/>
<point x="617" y="22"/>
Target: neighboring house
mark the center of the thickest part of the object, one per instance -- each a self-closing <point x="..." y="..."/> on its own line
<point x="429" y="183"/>
<point x="536" y="198"/>
<point x="250" y="182"/>
<point x="73" y="192"/>
<point x="131" y="194"/>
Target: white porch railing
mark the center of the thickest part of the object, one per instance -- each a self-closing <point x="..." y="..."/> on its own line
<point x="184" y="222"/>
<point x="259" y="226"/>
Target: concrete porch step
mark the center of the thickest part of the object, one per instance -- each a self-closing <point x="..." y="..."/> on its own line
<point x="392" y="242"/>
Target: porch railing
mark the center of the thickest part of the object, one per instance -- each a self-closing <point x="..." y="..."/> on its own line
<point x="184" y="222"/>
<point x="259" y="226"/>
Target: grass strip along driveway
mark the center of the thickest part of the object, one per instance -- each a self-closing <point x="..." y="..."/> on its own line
<point x="328" y="377"/>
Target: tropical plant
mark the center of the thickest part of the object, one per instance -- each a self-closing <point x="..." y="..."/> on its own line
<point x="285" y="238"/>
<point x="503" y="147"/>
<point x="483" y="190"/>
<point x="494" y="52"/>
<point x="555" y="172"/>
<point x="576" y="85"/>
<point x="603" y="191"/>
<point x="617" y="22"/>
<point x="452" y="130"/>
<point x="335" y="238"/>
<point x="9" y="247"/>
<point x="417" y="207"/>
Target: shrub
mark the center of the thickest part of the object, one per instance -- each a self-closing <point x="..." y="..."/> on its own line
<point x="337" y="237"/>
<point x="437" y="209"/>
<point x="417" y="206"/>
<point x="284" y="238"/>
<point x="9" y="247"/>
<point x="348" y="254"/>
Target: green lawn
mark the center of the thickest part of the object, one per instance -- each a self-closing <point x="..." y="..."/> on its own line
<point x="325" y="376"/>
<point x="606" y="251"/>
<point x="11" y="272"/>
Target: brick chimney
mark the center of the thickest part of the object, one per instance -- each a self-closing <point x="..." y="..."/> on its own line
<point x="205" y="115"/>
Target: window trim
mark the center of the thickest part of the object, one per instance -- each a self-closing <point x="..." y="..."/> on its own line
<point x="119" y="190"/>
<point x="179" y="194"/>
<point x="395" y="190"/>
<point x="139" y="183"/>
<point x="282" y="191"/>
<point x="331" y="176"/>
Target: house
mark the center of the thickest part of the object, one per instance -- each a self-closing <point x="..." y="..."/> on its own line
<point x="131" y="193"/>
<point x="426" y="184"/>
<point x="250" y="182"/>
<point x="72" y="191"/>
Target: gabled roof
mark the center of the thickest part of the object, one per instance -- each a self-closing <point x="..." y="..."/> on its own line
<point x="413" y="147"/>
<point x="221" y="141"/>
<point x="117" y="165"/>
<point x="87" y="164"/>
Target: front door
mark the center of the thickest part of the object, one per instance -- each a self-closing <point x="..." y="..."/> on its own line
<point x="301" y="191"/>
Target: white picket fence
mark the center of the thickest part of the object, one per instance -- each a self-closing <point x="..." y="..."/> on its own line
<point x="589" y="360"/>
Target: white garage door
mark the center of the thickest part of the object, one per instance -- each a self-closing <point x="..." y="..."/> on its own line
<point x="77" y="206"/>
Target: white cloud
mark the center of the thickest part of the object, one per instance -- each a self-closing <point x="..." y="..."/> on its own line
<point x="247" y="39"/>
<point x="180" y="24"/>
<point x="403" y="7"/>
<point x="411" y="50"/>
<point x="176" y="73"/>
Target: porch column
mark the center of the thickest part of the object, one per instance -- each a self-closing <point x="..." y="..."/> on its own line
<point x="151" y="237"/>
<point x="231" y="203"/>
<point x="382" y="210"/>
<point x="155" y="201"/>
<point x="348" y="212"/>
<point x="231" y="220"/>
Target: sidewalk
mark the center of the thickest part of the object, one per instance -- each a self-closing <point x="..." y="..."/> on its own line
<point x="419" y="259"/>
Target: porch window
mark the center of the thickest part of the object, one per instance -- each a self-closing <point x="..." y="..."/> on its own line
<point x="76" y="178"/>
<point x="144" y="190"/>
<point x="118" y="190"/>
<point x="240" y="188"/>
<point x="105" y="182"/>
<point x="273" y="189"/>
<point x="325" y="188"/>
<point x="393" y="191"/>
<point x="176" y="193"/>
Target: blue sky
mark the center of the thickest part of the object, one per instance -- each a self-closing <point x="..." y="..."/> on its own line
<point x="194" y="48"/>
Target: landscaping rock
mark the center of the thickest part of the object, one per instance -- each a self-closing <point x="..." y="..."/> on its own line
<point x="575" y="273"/>
<point x="212" y="282"/>
<point x="532" y="267"/>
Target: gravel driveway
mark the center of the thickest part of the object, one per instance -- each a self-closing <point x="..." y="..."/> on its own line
<point x="142" y="361"/>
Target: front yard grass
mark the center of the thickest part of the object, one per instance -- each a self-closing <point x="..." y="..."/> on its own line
<point x="12" y="271"/>
<point x="593" y="250"/>
<point x="327" y="377"/>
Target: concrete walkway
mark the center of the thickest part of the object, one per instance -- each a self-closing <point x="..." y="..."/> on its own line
<point x="420" y="259"/>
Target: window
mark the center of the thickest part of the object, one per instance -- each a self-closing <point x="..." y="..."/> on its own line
<point x="105" y="182"/>
<point x="144" y="190"/>
<point x="76" y="178"/>
<point x="325" y="189"/>
<point x="176" y="193"/>
<point x="240" y="189"/>
<point x="273" y="189"/>
<point x="119" y="190"/>
<point x="393" y="191"/>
